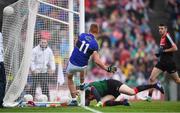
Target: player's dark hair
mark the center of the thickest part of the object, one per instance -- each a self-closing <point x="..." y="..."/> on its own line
<point x="163" y="25"/>
<point x="94" y="29"/>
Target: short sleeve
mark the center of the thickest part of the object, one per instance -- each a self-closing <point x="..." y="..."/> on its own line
<point x="81" y="35"/>
<point x="95" y="46"/>
<point x="170" y="39"/>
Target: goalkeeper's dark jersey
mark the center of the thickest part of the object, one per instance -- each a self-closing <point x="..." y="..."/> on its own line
<point x="101" y="87"/>
<point x="107" y="87"/>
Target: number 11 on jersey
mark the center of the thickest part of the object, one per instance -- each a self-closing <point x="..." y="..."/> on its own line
<point x="82" y="46"/>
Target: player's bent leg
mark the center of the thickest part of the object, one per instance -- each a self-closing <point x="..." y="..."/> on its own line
<point x="71" y="86"/>
<point x="126" y="90"/>
<point x="82" y="77"/>
<point x="109" y="100"/>
<point x="115" y="103"/>
<point x="129" y="91"/>
<point x="175" y="77"/>
<point x="72" y="89"/>
<point x="149" y="86"/>
<point x="155" y="72"/>
<point x="82" y="85"/>
<point x="103" y="100"/>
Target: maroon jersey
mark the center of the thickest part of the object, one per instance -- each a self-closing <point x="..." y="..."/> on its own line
<point x="165" y="61"/>
<point x="167" y="42"/>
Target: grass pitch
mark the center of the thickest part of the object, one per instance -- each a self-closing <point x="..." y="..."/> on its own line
<point x="155" y="106"/>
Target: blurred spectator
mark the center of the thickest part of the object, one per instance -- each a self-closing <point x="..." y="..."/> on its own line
<point x="42" y="66"/>
<point x="45" y="9"/>
<point x="126" y="37"/>
<point x="173" y="8"/>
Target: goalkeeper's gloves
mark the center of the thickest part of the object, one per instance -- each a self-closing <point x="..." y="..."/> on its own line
<point x="99" y="104"/>
<point x="111" y="69"/>
<point x="160" y="52"/>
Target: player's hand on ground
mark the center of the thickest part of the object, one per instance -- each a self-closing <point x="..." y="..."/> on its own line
<point x="99" y="104"/>
<point x="112" y="69"/>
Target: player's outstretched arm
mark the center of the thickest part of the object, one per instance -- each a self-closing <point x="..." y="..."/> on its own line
<point x="98" y="61"/>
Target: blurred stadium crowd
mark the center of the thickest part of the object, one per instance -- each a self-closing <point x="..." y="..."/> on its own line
<point x="173" y="8"/>
<point x="126" y="39"/>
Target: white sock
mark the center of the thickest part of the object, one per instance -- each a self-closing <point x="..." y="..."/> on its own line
<point x="74" y="99"/>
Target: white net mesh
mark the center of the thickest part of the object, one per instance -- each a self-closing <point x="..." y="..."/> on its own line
<point x="18" y="30"/>
<point x="52" y="24"/>
<point x="32" y="21"/>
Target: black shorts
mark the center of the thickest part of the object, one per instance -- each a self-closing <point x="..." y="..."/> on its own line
<point x="167" y="65"/>
<point x="113" y="87"/>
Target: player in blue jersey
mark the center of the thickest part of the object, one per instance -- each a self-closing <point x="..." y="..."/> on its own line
<point x="85" y="47"/>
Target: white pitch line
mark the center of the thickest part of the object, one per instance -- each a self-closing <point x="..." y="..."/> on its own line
<point x="90" y="109"/>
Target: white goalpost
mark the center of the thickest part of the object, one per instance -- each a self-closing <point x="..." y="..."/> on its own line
<point x="57" y="21"/>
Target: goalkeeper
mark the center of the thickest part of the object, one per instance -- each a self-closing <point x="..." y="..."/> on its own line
<point x="111" y="89"/>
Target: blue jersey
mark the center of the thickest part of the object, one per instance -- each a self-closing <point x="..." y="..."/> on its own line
<point x="85" y="46"/>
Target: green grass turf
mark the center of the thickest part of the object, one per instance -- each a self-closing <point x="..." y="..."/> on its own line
<point x="155" y="106"/>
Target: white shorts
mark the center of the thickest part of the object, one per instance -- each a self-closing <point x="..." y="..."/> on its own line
<point x="72" y="69"/>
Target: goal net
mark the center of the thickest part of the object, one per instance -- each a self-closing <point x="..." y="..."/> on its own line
<point x="58" y="22"/>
